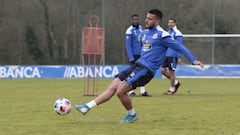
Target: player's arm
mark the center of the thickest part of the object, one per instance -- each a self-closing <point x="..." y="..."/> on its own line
<point x="129" y="47"/>
<point x="173" y="44"/>
<point x="180" y="40"/>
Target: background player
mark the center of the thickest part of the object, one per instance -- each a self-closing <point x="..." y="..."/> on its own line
<point x="173" y="57"/>
<point x="133" y="47"/>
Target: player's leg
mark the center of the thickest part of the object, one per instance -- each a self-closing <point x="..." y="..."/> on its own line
<point x="139" y="77"/>
<point x="107" y="94"/>
<point x="165" y="73"/>
<point x="103" y="97"/>
<point x="143" y="92"/>
<point x="126" y="101"/>
<point x="122" y="91"/>
<point x="174" y="84"/>
<point x="172" y="80"/>
<point x="164" y="67"/>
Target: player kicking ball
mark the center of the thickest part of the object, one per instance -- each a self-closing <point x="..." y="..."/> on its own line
<point x="154" y="45"/>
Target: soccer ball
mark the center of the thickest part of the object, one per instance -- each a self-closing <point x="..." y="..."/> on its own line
<point x="62" y="106"/>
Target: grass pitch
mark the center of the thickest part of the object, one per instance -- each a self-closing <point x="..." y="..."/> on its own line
<point x="201" y="107"/>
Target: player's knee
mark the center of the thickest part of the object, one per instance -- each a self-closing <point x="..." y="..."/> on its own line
<point x="122" y="89"/>
<point x="114" y="84"/>
<point x="120" y="92"/>
<point x="163" y="70"/>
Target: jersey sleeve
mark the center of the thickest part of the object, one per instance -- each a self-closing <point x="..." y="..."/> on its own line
<point x="128" y="31"/>
<point x="180" y="40"/>
<point x="165" y="34"/>
<point x="129" y="47"/>
<point x="173" y="44"/>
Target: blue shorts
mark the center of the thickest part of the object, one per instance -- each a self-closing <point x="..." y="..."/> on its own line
<point x="136" y="57"/>
<point x="136" y="75"/>
<point x="170" y="63"/>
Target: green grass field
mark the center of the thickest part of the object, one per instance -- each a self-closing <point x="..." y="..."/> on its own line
<point x="201" y="107"/>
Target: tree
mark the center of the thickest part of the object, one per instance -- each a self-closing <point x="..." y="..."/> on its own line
<point x="33" y="46"/>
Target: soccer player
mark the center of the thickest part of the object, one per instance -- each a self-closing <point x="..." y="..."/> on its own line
<point x="133" y="47"/>
<point x="173" y="57"/>
<point x="154" y="47"/>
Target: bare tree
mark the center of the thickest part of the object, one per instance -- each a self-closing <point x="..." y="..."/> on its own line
<point x="51" y="38"/>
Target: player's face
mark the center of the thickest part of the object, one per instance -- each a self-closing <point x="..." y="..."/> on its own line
<point x="135" y="21"/>
<point x="151" y="21"/>
<point x="171" y="24"/>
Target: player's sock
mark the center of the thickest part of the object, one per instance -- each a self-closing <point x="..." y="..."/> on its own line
<point x="131" y="112"/>
<point x="91" y="104"/>
<point x="130" y="92"/>
<point x="172" y="89"/>
<point x="176" y="82"/>
<point x="142" y="90"/>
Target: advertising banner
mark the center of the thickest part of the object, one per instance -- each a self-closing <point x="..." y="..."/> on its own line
<point x="109" y="71"/>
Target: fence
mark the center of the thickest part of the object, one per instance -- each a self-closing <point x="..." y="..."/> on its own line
<point x="214" y="48"/>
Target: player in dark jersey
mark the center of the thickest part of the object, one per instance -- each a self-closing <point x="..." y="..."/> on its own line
<point x="154" y="47"/>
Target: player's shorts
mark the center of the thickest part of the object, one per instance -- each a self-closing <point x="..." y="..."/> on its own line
<point x="136" y="57"/>
<point x="136" y="75"/>
<point x="170" y="63"/>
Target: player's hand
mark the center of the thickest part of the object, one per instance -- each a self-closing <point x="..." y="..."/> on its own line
<point x="196" y="62"/>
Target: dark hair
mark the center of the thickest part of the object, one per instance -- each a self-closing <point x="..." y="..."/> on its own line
<point x="173" y="19"/>
<point x="156" y="12"/>
<point x="134" y="15"/>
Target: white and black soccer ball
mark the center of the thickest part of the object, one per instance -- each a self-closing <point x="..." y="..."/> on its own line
<point x="62" y="106"/>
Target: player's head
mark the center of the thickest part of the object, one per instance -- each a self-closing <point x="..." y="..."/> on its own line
<point x="171" y="23"/>
<point x="135" y="20"/>
<point x="153" y="18"/>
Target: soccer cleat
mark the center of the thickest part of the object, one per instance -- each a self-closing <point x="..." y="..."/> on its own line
<point x="129" y="118"/>
<point x="82" y="108"/>
<point x="177" y="86"/>
<point x="168" y="93"/>
<point x="133" y="94"/>
<point x="145" y="94"/>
